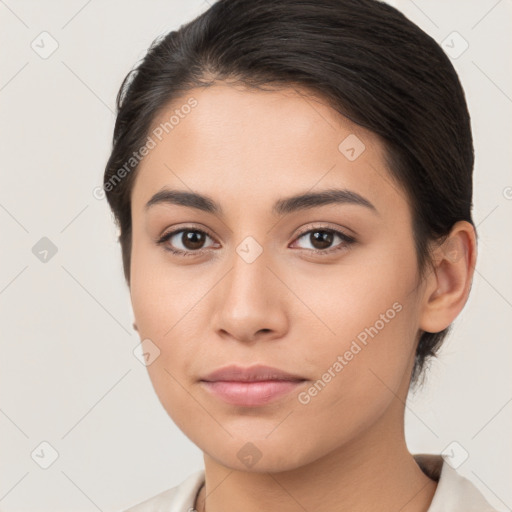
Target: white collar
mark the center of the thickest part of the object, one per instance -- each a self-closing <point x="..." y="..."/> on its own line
<point x="454" y="492"/>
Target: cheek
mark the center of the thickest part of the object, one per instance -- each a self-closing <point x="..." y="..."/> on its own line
<point x="359" y="371"/>
<point x="365" y="339"/>
<point x="162" y="306"/>
<point x="160" y="298"/>
<point x="168" y="304"/>
<point x="370" y="299"/>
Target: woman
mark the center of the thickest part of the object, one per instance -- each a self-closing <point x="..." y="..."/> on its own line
<point x="292" y="181"/>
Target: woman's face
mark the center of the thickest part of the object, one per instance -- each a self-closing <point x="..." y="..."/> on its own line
<point x="252" y="290"/>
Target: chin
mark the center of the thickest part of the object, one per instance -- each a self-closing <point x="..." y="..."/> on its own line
<point x="257" y="454"/>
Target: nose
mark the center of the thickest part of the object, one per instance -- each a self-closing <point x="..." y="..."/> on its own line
<point x="251" y="302"/>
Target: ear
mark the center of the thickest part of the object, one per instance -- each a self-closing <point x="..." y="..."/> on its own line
<point x="447" y="287"/>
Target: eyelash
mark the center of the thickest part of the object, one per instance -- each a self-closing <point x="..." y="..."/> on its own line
<point x="347" y="241"/>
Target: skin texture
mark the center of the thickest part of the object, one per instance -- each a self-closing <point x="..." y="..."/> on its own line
<point x="290" y="308"/>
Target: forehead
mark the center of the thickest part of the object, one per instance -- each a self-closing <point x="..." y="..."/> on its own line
<point x="280" y="118"/>
<point x="253" y="142"/>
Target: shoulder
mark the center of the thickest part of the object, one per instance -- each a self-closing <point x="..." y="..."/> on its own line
<point x="177" y="499"/>
<point x="454" y="492"/>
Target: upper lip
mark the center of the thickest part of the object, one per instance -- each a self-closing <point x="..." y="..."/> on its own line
<point x="250" y="374"/>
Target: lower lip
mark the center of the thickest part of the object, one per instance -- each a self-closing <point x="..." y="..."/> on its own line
<point x="249" y="394"/>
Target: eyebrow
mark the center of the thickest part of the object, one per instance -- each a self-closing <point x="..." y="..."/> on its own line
<point x="281" y="207"/>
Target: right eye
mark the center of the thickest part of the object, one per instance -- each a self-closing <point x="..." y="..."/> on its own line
<point x="191" y="240"/>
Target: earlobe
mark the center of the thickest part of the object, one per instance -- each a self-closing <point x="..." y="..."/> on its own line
<point x="449" y="284"/>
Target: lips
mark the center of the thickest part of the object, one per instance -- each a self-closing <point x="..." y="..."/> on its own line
<point x="250" y="387"/>
<point x="251" y="374"/>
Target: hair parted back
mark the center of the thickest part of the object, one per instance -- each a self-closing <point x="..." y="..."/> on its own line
<point x="364" y="58"/>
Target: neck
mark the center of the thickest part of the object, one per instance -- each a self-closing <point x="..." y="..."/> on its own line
<point x="375" y="472"/>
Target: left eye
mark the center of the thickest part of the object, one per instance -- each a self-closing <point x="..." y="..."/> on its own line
<point x="321" y="239"/>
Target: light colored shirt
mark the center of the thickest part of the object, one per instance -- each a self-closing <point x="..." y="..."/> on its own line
<point x="454" y="493"/>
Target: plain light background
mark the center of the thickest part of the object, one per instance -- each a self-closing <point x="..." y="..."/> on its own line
<point x="68" y="374"/>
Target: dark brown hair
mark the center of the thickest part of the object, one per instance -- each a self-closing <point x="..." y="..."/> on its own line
<point x="363" y="57"/>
